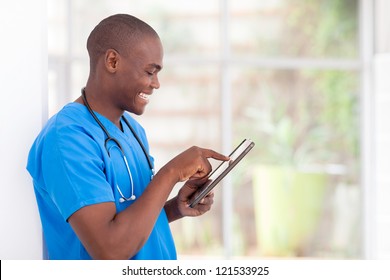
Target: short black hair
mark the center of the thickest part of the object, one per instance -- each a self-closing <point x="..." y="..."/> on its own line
<point x="116" y="32"/>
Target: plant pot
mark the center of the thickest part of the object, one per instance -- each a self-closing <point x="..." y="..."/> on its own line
<point x="288" y="204"/>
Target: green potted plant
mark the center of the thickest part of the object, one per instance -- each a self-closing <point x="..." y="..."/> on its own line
<point x="296" y="140"/>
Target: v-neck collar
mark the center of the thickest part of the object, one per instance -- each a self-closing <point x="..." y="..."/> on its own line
<point x="112" y="129"/>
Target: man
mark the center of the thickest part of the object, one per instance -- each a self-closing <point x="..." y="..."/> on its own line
<point x="91" y="167"/>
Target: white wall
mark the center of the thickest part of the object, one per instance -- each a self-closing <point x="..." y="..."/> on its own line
<point x="381" y="97"/>
<point x="382" y="156"/>
<point x="23" y="95"/>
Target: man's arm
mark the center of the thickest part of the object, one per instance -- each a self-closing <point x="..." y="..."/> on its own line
<point x="108" y="235"/>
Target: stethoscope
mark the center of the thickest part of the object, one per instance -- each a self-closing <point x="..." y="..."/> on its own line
<point x="119" y="146"/>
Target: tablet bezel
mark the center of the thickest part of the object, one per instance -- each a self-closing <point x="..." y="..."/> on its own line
<point x="246" y="145"/>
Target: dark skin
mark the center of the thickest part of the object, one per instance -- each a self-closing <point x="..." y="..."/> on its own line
<point x="121" y="82"/>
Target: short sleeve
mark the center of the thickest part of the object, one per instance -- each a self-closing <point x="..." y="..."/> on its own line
<point x="73" y="169"/>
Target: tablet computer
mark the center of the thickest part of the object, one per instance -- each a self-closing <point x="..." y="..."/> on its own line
<point x="222" y="170"/>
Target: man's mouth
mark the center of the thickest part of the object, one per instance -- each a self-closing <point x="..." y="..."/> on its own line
<point x="144" y="96"/>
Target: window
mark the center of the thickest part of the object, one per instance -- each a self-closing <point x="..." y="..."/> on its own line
<point x="283" y="73"/>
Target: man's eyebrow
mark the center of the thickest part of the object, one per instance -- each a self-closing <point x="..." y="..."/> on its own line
<point x="157" y="66"/>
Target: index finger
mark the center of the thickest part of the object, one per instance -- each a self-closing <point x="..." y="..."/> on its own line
<point x="208" y="153"/>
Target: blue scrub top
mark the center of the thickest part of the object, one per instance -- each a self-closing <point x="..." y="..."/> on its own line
<point x="71" y="169"/>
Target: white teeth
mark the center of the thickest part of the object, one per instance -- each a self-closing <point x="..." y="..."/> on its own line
<point x="143" y="96"/>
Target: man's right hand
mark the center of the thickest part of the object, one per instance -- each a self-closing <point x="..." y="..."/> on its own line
<point x="193" y="163"/>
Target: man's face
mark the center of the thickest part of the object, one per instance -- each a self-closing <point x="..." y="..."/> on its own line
<point x="136" y="77"/>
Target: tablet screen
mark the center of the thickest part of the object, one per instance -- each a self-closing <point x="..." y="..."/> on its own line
<point x="222" y="170"/>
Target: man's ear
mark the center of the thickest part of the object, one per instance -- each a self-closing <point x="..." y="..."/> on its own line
<point x="111" y="60"/>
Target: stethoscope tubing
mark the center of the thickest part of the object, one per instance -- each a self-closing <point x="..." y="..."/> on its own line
<point x="110" y="138"/>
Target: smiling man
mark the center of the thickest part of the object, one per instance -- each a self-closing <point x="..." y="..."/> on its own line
<point x="93" y="176"/>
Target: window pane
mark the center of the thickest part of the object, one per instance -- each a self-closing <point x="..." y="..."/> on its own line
<point x="303" y="173"/>
<point x="184" y="26"/>
<point x="295" y="28"/>
<point x="184" y="112"/>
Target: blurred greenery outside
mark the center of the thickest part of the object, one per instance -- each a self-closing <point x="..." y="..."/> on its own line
<point x="300" y="118"/>
<point x="307" y="120"/>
